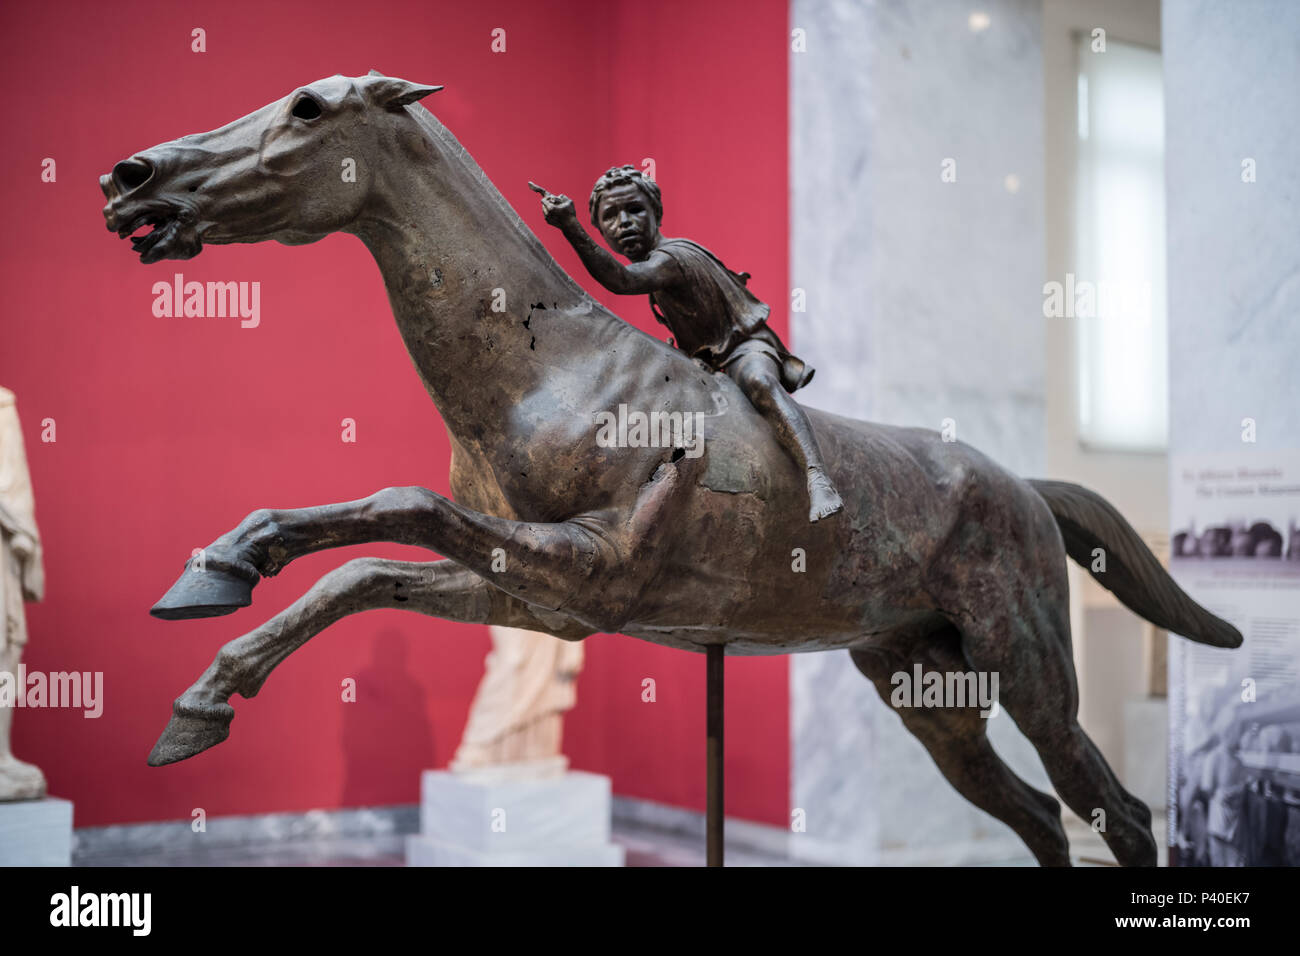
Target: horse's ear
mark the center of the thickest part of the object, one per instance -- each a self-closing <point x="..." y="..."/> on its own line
<point x="391" y="92"/>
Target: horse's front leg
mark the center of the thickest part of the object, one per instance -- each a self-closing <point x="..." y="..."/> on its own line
<point x="588" y="565"/>
<point x="591" y="567"/>
<point x="219" y="579"/>
<point x="201" y="716"/>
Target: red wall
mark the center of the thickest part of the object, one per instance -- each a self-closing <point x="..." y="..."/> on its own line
<point x="169" y="431"/>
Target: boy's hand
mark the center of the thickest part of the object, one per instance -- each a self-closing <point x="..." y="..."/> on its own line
<point x="558" y="209"/>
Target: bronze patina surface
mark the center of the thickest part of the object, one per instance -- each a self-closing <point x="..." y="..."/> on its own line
<point x="940" y="557"/>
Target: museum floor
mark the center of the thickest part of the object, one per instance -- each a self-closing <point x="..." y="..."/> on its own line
<point x="645" y="845"/>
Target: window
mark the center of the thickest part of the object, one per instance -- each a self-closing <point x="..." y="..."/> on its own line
<point x="1117" y="293"/>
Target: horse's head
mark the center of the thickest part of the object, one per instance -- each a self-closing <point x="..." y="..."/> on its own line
<point x="293" y="171"/>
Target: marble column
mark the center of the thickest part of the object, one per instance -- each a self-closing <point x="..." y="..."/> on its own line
<point x="923" y="303"/>
<point x="1232" y="94"/>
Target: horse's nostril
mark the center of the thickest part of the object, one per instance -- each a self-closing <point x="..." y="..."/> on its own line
<point x="132" y="173"/>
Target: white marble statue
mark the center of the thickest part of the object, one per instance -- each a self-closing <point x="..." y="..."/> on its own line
<point x="516" y="720"/>
<point x="22" y="577"/>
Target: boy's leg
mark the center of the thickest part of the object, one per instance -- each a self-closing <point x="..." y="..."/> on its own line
<point x="759" y="378"/>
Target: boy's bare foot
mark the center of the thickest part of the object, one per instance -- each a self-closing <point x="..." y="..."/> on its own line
<point x="823" y="499"/>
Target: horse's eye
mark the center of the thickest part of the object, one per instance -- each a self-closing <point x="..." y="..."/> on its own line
<point x="306" y="108"/>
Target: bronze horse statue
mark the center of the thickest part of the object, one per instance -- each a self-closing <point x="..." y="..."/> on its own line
<point x="941" y="558"/>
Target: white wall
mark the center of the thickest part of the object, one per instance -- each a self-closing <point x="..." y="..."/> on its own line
<point x="1232" y="77"/>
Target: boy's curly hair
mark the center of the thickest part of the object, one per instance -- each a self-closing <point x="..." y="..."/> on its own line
<point x="625" y="176"/>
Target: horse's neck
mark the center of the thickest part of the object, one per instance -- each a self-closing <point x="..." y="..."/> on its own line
<point x="463" y="273"/>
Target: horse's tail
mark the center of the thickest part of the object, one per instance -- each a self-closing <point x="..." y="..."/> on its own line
<point x="1087" y="522"/>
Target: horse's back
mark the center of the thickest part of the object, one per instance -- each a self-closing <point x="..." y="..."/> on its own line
<point x="748" y="552"/>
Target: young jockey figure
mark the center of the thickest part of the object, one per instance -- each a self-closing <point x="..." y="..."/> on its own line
<point x="712" y="314"/>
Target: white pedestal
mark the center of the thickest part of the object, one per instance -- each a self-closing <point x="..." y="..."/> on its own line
<point x="36" y="832"/>
<point x="468" y="821"/>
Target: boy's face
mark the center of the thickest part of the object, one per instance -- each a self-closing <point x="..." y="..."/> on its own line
<point x="627" y="222"/>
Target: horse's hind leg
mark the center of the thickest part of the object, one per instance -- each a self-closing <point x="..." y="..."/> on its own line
<point x="201" y="716"/>
<point x="957" y="741"/>
<point x="1015" y="622"/>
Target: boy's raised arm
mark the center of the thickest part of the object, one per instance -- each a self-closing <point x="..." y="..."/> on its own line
<point x="655" y="272"/>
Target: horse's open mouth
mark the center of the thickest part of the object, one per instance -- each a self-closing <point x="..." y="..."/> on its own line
<point x="169" y="238"/>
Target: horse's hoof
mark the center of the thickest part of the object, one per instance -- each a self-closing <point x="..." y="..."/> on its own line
<point x="208" y="593"/>
<point x="191" y="731"/>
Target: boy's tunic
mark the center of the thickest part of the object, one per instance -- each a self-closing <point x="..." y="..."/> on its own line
<point x="714" y="317"/>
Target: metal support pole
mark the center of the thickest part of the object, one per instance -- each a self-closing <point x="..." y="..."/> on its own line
<point x="714" y="754"/>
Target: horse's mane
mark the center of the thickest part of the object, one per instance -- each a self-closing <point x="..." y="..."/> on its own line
<point x="452" y="147"/>
<point x="444" y="140"/>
